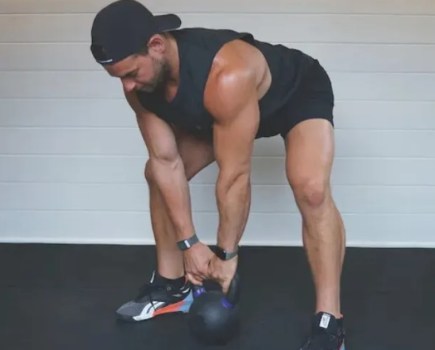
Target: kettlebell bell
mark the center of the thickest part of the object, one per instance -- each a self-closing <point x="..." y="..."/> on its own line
<point x="214" y="318"/>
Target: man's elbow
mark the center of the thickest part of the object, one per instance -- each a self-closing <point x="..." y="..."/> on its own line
<point x="159" y="167"/>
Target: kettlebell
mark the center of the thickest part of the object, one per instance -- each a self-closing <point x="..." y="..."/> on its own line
<point x="214" y="318"/>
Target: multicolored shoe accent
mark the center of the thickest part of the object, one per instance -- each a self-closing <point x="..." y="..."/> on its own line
<point x="156" y="299"/>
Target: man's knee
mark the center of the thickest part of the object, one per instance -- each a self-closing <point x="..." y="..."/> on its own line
<point x="310" y="191"/>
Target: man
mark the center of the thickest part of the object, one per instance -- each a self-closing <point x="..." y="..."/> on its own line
<point x="203" y="95"/>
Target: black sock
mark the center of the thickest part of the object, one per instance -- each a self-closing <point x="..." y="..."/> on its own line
<point x="176" y="283"/>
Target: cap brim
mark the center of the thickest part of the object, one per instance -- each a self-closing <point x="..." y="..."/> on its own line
<point x="167" y="22"/>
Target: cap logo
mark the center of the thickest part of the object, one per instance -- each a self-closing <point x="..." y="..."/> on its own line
<point x="100" y="54"/>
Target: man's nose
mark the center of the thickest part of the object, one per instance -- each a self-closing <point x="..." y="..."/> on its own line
<point x="128" y="84"/>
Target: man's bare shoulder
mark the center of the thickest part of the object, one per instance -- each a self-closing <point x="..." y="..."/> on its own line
<point x="239" y="73"/>
<point x="238" y="55"/>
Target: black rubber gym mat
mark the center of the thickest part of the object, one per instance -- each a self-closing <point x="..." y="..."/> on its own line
<point x="64" y="297"/>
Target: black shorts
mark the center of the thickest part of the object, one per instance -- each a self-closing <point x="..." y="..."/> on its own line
<point x="314" y="99"/>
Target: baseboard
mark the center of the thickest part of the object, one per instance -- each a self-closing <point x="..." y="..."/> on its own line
<point x="247" y="242"/>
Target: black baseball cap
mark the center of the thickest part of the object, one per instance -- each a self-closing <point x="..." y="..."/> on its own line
<point x="124" y="27"/>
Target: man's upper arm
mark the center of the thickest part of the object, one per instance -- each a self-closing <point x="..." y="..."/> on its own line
<point x="157" y="134"/>
<point x="232" y="99"/>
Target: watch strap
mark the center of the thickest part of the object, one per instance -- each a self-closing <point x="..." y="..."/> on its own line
<point x="223" y="254"/>
<point x="187" y="243"/>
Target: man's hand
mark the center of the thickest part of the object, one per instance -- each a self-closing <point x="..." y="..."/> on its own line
<point x="222" y="271"/>
<point x="196" y="262"/>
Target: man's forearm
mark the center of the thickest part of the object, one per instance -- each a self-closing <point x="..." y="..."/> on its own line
<point x="233" y="200"/>
<point x="171" y="181"/>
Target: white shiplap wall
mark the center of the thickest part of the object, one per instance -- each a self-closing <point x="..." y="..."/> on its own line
<point x="71" y="157"/>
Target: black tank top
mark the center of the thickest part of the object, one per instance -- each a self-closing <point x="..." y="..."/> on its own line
<point x="197" y="48"/>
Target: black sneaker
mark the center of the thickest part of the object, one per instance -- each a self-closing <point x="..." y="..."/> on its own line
<point x="327" y="333"/>
<point x="156" y="298"/>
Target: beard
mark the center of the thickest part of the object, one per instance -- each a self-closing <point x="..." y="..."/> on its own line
<point x="161" y="77"/>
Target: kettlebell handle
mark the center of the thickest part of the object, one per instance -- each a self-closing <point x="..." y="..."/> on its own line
<point x="230" y="299"/>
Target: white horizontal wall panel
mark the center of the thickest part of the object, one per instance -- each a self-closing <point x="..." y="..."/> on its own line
<point x="352" y="57"/>
<point x="86" y="141"/>
<point x="266" y="170"/>
<point x="242" y="6"/>
<point x="135" y="228"/>
<point x="367" y="143"/>
<point x="98" y="84"/>
<point x="53" y="113"/>
<point x="128" y="141"/>
<point x="385" y="115"/>
<point x="298" y="28"/>
<point x="265" y="198"/>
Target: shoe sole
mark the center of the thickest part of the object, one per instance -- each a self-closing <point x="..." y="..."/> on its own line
<point x="342" y="347"/>
<point x="182" y="306"/>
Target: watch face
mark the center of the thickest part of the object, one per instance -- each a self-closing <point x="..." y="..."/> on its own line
<point x="224" y="255"/>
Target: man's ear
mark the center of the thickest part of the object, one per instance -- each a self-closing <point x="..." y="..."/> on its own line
<point x="157" y="43"/>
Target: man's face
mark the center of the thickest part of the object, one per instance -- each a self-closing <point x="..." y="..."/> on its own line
<point x="141" y="72"/>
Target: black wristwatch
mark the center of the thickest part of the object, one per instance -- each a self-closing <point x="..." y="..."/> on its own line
<point x="223" y="254"/>
<point x="187" y="243"/>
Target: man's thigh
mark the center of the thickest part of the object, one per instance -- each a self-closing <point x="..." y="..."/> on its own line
<point x="310" y="152"/>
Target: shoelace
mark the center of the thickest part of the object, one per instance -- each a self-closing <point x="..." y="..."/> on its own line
<point x="147" y="291"/>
